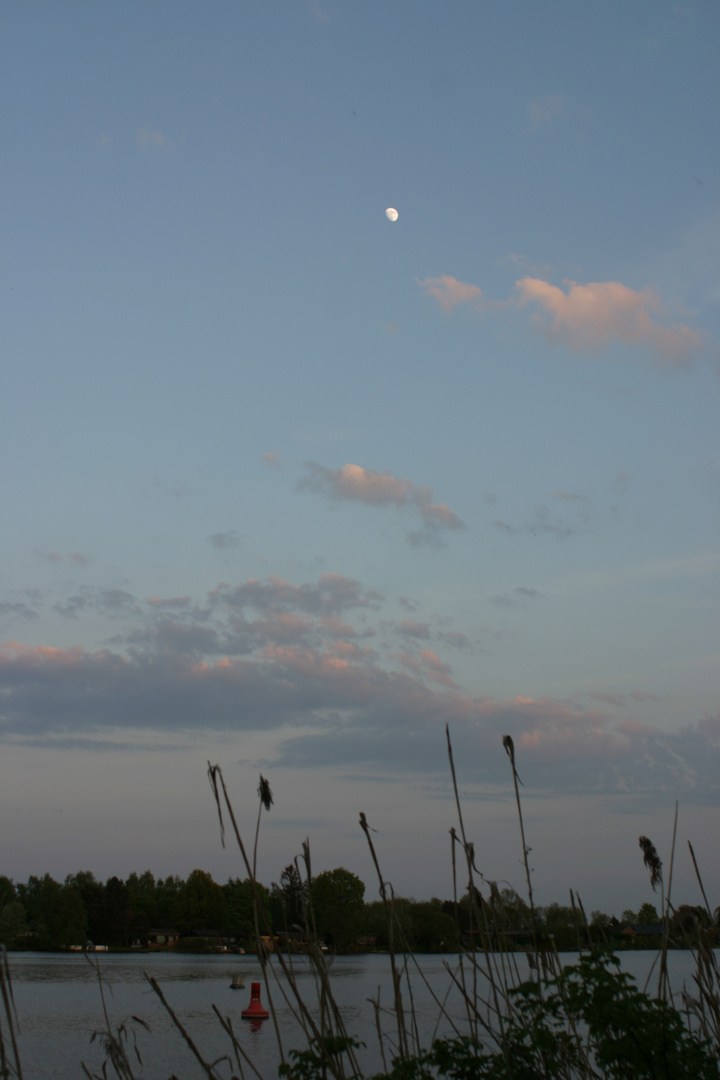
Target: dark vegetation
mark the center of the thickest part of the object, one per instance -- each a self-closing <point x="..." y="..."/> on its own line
<point x="581" y="1021"/>
<point x="45" y="914"/>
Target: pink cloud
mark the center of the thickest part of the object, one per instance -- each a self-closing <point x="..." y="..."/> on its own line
<point x="366" y="485"/>
<point x="353" y="483"/>
<point x="361" y="712"/>
<point x="429" y="666"/>
<point x="585" y="318"/>
<point x="590" y="317"/>
<point x="449" y="292"/>
<point x="171" y="602"/>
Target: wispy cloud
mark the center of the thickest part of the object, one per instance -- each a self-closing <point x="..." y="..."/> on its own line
<point x="449" y="292"/>
<point x="75" y="558"/>
<point x="544" y="110"/>
<point x="585" y="318"/>
<point x="428" y="665"/>
<point x="541" y="522"/>
<point x="16" y="609"/>
<point x="524" y="263"/>
<point x="115" y="603"/>
<point x="621" y="481"/>
<point x="330" y="595"/>
<point x="524" y="592"/>
<point x="149" y="138"/>
<point x="173" y="602"/>
<point x="353" y="483"/>
<point x="225" y="541"/>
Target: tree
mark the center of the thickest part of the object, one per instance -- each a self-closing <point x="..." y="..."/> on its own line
<point x="54" y="911"/>
<point x="647" y="915"/>
<point x="117" y="908"/>
<point x="142" y="905"/>
<point x="599" y="920"/>
<point x="337" y="901"/>
<point x="239" y="917"/>
<point x="166" y="896"/>
<point x="93" y="898"/>
<point x="294" y="895"/>
<point x="12" y="922"/>
<point x="200" y="903"/>
<point x="433" y="929"/>
<point x="565" y="924"/>
<point x="7" y="891"/>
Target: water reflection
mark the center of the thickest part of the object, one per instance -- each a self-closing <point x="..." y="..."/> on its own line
<point x="59" y="1006"/>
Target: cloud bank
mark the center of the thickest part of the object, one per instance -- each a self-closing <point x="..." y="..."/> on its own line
<point x="305" y="664"/>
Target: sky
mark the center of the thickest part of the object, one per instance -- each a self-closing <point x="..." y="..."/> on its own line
<point x="289" y="487"/>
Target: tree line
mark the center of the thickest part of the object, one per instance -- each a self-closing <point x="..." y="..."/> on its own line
<point x="45" y="914"/>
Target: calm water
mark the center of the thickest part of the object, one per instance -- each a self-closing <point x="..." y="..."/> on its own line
<point x="59" y="1007"/>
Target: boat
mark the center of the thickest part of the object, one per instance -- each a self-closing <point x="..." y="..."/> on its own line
<point x="238" y="982"/>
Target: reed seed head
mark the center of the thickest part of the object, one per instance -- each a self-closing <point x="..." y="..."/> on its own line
<point x="265" y="793"/>
<point x="652" y="861"/>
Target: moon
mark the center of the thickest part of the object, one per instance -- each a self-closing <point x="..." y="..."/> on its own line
<point x="391" y="214"/>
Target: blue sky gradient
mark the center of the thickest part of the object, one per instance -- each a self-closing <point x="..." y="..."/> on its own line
<point x="289" y="487"/>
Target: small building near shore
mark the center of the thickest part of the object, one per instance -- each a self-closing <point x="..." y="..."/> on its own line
<point x="162" y="937"/>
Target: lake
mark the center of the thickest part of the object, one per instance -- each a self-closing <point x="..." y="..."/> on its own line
<point x="59" y="1006"/>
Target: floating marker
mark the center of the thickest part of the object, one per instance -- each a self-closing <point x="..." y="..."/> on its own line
<point x="255" y="1009"/>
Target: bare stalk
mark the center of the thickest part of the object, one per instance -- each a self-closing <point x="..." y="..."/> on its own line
<point x="389" y="914"/>
<point x="510" y="751"/>
<point x="9" y="1008"/>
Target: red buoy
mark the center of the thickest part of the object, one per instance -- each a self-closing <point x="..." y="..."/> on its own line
<point x="255" y="1010"/>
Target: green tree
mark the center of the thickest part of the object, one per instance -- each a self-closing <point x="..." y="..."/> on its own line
<point x="12" y="922"/>
<point x="166" y="897"/>
<point x="142" y="906"/>
<point x="7" y="891"/>
<point x="647" y="915"/>
<point x="433" y="929"/>
<point x="94" y="902"/>
<point x="375" y="923"/>
<point x="337" y="900"/>
<point x="294" y="895"/>
<point x="239" y="916"/>
<point x="55" y="912"/>
<point x="200" y="903"/>
<point x="117" y="909"/>
<point x="565" y="924"/>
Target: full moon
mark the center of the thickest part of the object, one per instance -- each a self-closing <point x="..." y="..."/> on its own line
<point x="391" y="213"/>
